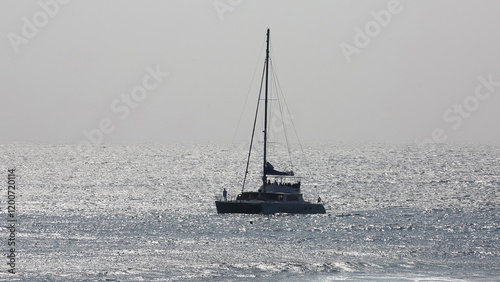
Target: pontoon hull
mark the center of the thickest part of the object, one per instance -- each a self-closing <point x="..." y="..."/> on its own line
<point x="268" y="207"/>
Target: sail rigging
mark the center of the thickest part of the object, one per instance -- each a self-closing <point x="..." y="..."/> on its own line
<point x="280" y="190"/>
<point x="253" y="134"/>
<point x="269" y="84"/>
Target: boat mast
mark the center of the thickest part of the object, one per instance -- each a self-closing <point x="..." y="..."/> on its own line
<point x="264" y="178"/>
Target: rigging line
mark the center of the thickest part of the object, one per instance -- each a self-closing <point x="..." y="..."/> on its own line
<point x="285" y="130"/>
<point x="279" y="92"/>
<point x="293" y="124"/>
<point x="253" y="129"/>
<point x="248" y="93"/>
<point x="298" y="139"/>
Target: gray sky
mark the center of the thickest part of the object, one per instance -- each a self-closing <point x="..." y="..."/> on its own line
<point x="348" y="71"/>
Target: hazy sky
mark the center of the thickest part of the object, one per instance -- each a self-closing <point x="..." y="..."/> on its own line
<point x="181" y="70"/>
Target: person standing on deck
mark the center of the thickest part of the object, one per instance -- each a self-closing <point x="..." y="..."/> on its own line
<point x="224" y="194"/>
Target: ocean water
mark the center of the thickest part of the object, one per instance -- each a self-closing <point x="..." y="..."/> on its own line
<point x="146" y="212"/>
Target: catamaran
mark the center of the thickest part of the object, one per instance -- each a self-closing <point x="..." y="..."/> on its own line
<point x="280" y="190"/>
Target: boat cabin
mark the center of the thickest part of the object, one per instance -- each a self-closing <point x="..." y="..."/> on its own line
<point x="281" y="184"/>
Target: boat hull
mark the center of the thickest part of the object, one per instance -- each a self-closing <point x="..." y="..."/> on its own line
<point x="250" y="207"/>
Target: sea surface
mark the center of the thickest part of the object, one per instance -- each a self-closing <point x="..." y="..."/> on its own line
<point x="395" y="212"/>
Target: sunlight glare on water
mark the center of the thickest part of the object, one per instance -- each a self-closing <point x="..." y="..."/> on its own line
<point x="146" y="212"/>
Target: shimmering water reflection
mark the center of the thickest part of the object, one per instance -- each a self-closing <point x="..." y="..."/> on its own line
<point x="128" y="213"/>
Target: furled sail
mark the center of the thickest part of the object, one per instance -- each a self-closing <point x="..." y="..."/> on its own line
<point x="269" y="170"/>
